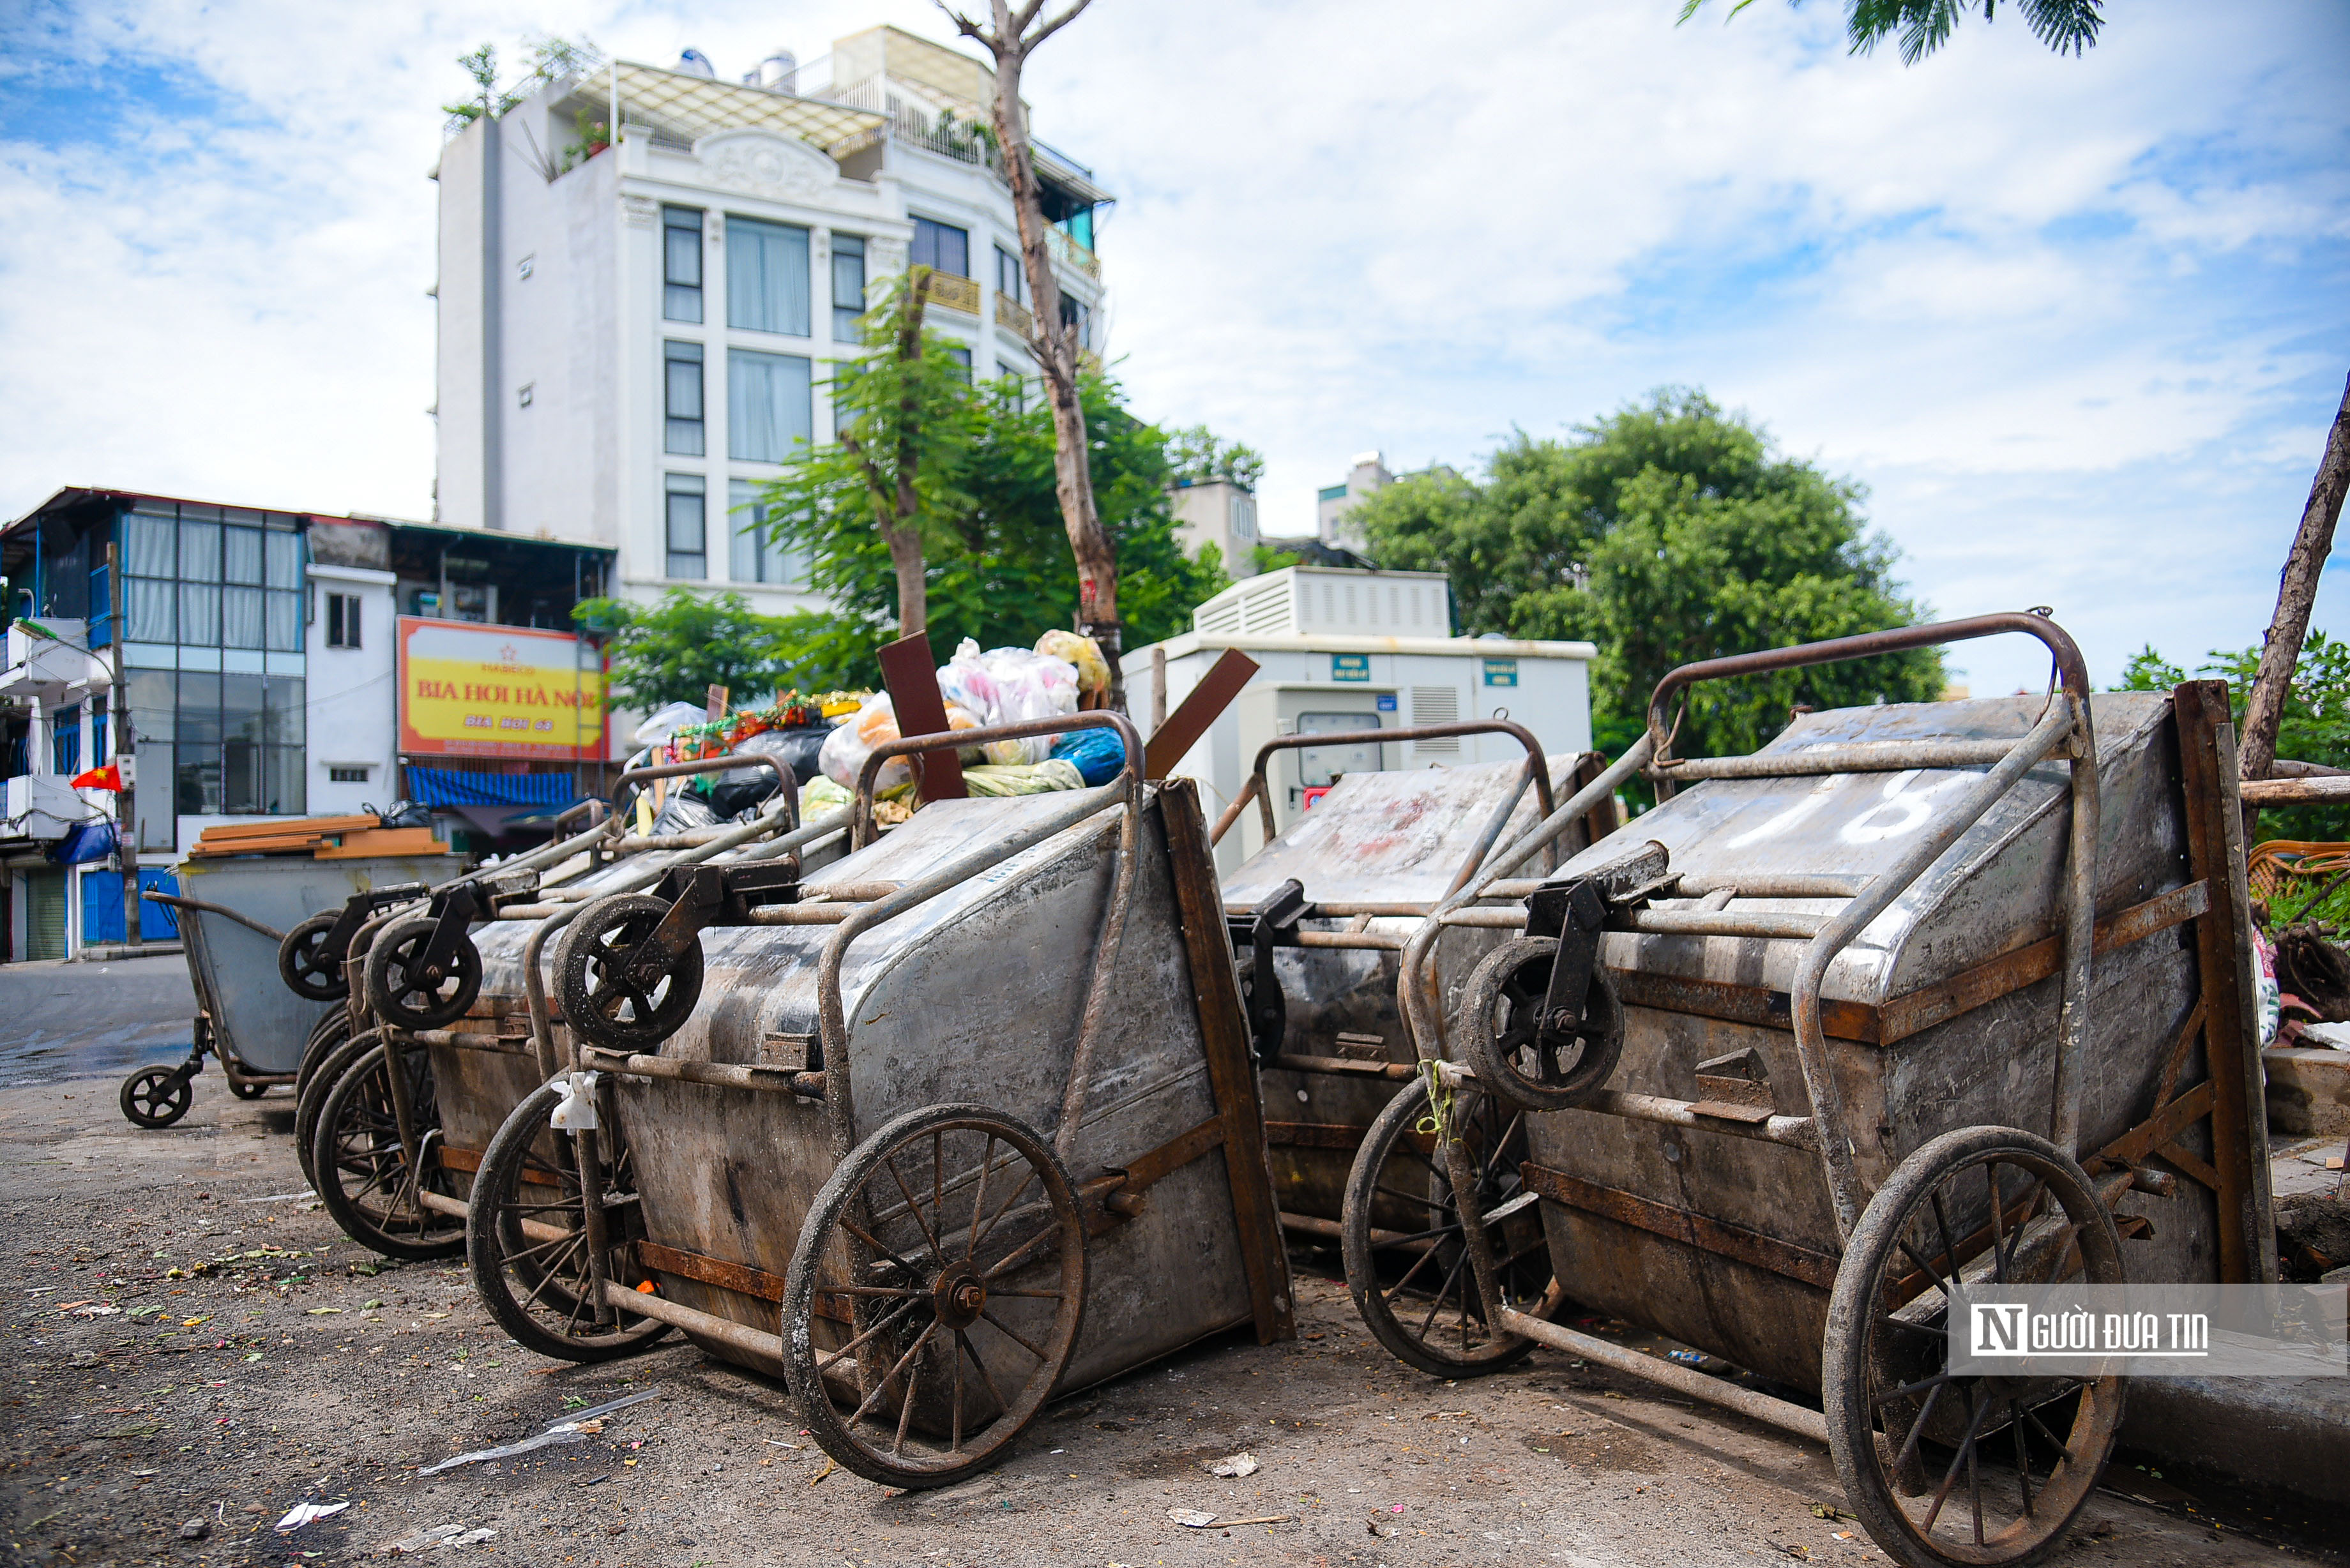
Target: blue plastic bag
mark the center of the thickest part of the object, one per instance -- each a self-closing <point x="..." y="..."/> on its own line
<point x="1098" y="754"/>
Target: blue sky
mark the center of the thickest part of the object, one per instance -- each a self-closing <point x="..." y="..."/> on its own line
<point x="2078" y="325"/>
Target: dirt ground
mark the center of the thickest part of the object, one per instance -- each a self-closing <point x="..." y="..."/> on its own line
<point x="189" y="1340"/>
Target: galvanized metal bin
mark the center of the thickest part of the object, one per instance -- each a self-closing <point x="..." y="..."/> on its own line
<point x="1916" y="996"/>
<point x="1000" y="1049"/>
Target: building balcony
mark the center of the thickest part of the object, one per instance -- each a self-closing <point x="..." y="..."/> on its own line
<point x="954" y="293"/>
<point x="40" y="805"/>
<point x="1014" y="316"/>
<point x="50" y="670"/>
<point x="1070" y="254"/>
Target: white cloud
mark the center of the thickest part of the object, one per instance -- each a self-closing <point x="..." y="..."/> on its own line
<point x="2076" y="321"/>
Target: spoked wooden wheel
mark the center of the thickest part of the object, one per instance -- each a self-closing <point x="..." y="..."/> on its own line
<point x="407" y="991"/>
<point x="362" y="1170"/>
<point x="1499" y="1035"/>
<point x="1407" y="1261"/>
<point x="598" y="999"/>
<point x="322" y="1070"/>
<point x="935" y="1297"/>
<point x="526" y="1241"/>
<point x="1948" y="1470"/>
<point x="305" y="966"/>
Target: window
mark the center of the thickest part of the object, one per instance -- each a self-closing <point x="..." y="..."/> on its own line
<point x="758" y="559"/>
<point x="1243" y="517"/>
<point x="1011" y="278"/>
<point x="941" y="247"/>
<point x="766" y="277"/>
<point x="342" y="620"/>
<point x="769" y="405"/>
<point x="962" y="357"/>
<point x="207" y="576"/>
<point x="688" y="554"/>
<point x="235" y="741"/>
<point x="847" y="285"/>
<point x="348" y="776"/>
<point x="682" y="264"/>
<point x="1075" y="313"/>
<point x="681" y="398"/>
<point x="65" y="740"/>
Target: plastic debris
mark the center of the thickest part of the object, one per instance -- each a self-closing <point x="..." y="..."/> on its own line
<point x="302" y="1513"/>
<point x="1237" y="1466"/>
<point x="576" y="1110"/>
<point x="577" y="1429"/>
<point x="439" y="1535"/>
<point x="1191" y="1518"/>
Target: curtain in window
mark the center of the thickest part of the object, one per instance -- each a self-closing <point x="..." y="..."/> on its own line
<point x="687" y="530"/>
<point x="766" y="277"/>
<point x="244" y="556"/>
<point x="847" y="285"/>
<point x="285" y="560"/>
<point x="200" y="552"/>
<point x="285" y="623"/>
<point x="769" y="409"/>
<point x="745" y="512"/>
<point x="147" y="604"/>
<point x="240" y="617"/>
<point x="200" y="614"/>
<point x="147" y="546"/>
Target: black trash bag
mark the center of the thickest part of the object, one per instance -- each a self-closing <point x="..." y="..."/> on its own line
<point x="738" y="794"/>
<point x="683" y="811"/>
<point x="402" y="814"/>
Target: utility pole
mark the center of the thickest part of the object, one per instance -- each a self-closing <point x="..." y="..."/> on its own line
<point x="125" y="801"/>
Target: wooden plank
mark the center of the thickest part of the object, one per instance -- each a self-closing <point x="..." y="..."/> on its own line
<point x="303" y="843"/>
<point x="1921" y="1009"/>
<point x="1173" y="1155"/>
<point x="1685" y="1225"/>
<point x="384" y="841"/>
<point x="912" y="678"/>
<point x="2215" y="852"/>
<point x="2168" y="1123"/>
<point x="312" y="825"/>
<point x="1314" y="1134"/>
<point x="1735" y="1003"/>
<point x="1201" y="707"/>
<point x="2294" y="792"/>
<point x="1231" y="1080"/>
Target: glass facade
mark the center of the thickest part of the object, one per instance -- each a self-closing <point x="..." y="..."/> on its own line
<point x="212" y="606"/>
<point x="766" y="277"/>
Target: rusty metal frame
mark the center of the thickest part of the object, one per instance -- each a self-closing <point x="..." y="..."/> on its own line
<point x="1256" y="788"/>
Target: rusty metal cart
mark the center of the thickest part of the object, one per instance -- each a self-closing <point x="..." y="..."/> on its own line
<point x="1821" y="1037"/>
<point x="1319" y="915"/>
<point x="962" y="1120"/>
<point x="444" y="1045"/>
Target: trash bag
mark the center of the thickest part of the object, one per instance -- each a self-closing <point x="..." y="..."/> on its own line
<point x="1010" y="686"/>
<point x="1098" y="754"/>
<point x="402" y="814"/>
<point x="820" y="796"/>
<point x="876" y="724"/>
<point x="1093" y="670"/>
<point x="739" y="793"/>
<point x="1039" y="778"/>
<point x="667" y="722"/>
<point x="684" y="811"/>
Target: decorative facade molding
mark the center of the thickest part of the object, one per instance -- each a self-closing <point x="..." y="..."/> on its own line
<point x="884" y="255"/>
<point x="760" y="164"/>
<point x="639" y="212"/>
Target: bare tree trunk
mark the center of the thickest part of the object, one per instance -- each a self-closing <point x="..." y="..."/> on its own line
<point x="2281" y="652"/>
<point x="1054" y="344"/>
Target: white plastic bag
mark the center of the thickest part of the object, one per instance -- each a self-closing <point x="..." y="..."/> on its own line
<point x="876" y="724"/>
<point x="666" y="722"/>
<point x="1007" y="686"/>
<point x="576" y="1111"/>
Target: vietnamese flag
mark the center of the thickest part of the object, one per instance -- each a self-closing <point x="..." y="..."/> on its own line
<point x="108" y="777"/>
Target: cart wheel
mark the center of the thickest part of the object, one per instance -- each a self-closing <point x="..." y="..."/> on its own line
<point x="156" y="1097"/>
<point x="963" y="1273"/>
<point x="305" y="964"/>
<point x="600" y="1005"/>
<point x="1407" y="1265"/>
<point x="333" y="1027"/>
<point x="401" y="994"/>
<point x="1948" y="1470"/>
<point x="525" y="1244"/>
<point x="244" y="1091"/>
<point x="1497" y="1036"/>
<point x="362" y="1171"/>
<point x="324" y="1070"/>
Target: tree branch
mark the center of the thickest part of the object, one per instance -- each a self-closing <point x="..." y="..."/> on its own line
<point x="967" y="27"/>
<point x="1057" y="23"/>
<point x="2296" y="591"/>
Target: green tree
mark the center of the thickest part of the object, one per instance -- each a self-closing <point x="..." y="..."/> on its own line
<point x="676" y="650"/>
<point x="2067" y="27"/>
<point x="1664" y="533"/>
<point x="1196" y="456"/>
<point x="997" y="565"/>
<point x="2315" y="726"/>
<point x="550" y="59"/>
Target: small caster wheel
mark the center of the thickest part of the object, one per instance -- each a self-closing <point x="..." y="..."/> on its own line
<point x="400" y="992"/>
<point x="157" y="1096"/>
<point x="1499" y="1033"/>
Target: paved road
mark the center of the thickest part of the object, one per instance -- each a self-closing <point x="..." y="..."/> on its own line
<point x="65" y="1021"/>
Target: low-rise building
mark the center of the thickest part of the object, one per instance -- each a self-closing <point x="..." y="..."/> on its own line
<point x="240" y="662"/>
<point x="1220" y="512"/>
<point x="1366" y="476"/>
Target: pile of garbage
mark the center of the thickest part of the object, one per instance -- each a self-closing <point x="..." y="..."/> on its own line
<point x="825" y="738"/>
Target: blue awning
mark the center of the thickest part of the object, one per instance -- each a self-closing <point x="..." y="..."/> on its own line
<point x="450" y="786"/>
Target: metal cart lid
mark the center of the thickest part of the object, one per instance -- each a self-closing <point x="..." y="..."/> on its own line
<point x="1397" y="835"/>
<point x="1994" y="891"/>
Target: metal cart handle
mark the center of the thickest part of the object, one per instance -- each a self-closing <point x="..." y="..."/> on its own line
<point x="1256" y="786"/>
<point x="176" y="902"/>
<point x="788" y="784"/>
<point x="861" y="821"/>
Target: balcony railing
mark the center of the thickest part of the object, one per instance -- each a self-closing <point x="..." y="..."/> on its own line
<point x="1014" y="316"/>
<point x="1068" y="252"/>
<point x="954" y="293"/>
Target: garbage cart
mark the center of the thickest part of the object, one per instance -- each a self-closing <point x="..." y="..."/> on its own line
<point x="1917" y="995"/>
<point x="231" y="912"/>
<point x="962" y="1120"/>
<point x="1318" y="915"/>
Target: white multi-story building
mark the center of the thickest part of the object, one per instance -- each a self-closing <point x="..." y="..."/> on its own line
<point x="1220" y="512"/>
<point x="633" y="339"/>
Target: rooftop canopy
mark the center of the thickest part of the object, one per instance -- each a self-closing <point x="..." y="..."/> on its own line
<point x="690" y="107"/>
